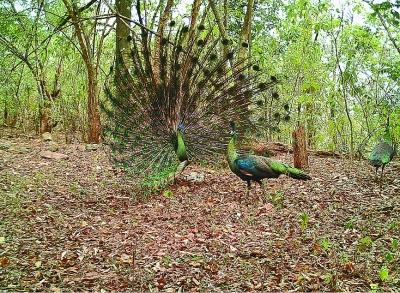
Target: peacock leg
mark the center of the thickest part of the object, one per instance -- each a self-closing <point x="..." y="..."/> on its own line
<point x="383" y="166"/>
<point x="264" y="192"/>
<point x="248" y="188"/>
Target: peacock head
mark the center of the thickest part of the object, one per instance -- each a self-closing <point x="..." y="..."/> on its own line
<point x="233" y="128"/>
<point x="181" y="127"/>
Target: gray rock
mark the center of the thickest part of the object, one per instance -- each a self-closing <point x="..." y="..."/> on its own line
<point x="194" y="177"/>
<point x="52" y="146"/>
<point x="53" y="155"/>
<point x="5" y="146"/>
<point x="21" y="149"/>
<point x="46" y="136"/>
<point x="92" y="147"/>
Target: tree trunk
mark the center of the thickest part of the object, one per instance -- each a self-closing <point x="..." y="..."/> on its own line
<point x="122" y="31"/>
<point x="300" y="156"/>
<point x="93" y="108"/>
<point x="92" y="74"/>
<point x="245" y="34"/>
<point x="45" y="124"/>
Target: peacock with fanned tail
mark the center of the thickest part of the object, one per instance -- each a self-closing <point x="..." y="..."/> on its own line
<point x="173" y="106"/>
<point x="383" y="153"/>
<point x="256" y="168"/>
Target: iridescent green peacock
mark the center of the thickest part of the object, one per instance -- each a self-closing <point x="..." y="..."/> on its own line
<point x="256" y="168"/>
<point x="173" y="106"/>
<point x="383" y="153"/>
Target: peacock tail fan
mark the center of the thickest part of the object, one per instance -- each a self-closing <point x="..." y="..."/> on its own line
<point x="179" y="81"/>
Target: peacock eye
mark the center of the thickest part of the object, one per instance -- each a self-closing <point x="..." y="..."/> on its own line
<point x="286" y="107"/>
<point x="200" y="43"/>
<point x="164" y="41"/>
<point x="229" y="55"/>
<point x="275" y="95"/>
<point x="225" y="42"/>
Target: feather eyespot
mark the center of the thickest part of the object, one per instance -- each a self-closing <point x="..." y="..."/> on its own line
<point x="200" y="43"/>
<point x="286" y="107"/>
<point x="172" y="23"/>
<point x="129" y="38"/>
<point x="164" y="41"/>
<point x="245" y="45"/>
<point x="185" y="29"/>
<point x="256" y="68"/>
<point x="225" y="42"/>
<point x="260" y="103"/>
<point x="262" y="86"/>
<point x="207" y="72"/>
<point x="275" y="95"/>
<point x="213" y="57"/>
<point x="179" y="48"/>
<point x="287" y="118"/>
<point x="273" y="78"/>
<point x="201" y="27"/>
<point x="229" y="55"/>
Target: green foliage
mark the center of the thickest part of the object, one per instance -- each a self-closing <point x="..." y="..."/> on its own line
<point x="383" y="273"/>
<point x="304" y="219"/>
<point x="365" y="243"/>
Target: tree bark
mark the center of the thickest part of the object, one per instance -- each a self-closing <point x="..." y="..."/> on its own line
<point x="91" y="70"/>
<point x="300" y="156"/>
<point x="122" y="30"/>
<point x="245" y="34"/>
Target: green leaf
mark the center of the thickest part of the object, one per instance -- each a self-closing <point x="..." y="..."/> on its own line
<point x="384" y="273"/>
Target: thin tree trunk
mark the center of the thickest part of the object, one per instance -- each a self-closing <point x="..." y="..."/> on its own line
<point x="122" y="31"/>
<point x="245" y="33"/>
<point x="92" y="86"/>
<point x="300" y="156"/>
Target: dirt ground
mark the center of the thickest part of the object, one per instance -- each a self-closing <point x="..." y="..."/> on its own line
<point x="75" y="224"/>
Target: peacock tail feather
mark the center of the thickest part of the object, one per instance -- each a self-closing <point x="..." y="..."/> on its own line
<point x="173" y="104"/>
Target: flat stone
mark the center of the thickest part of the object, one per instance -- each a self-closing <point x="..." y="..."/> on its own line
<point x="92" y="147"/>
<point x="20" y="149"/>
<point x="5" y="146"/>
<point x="46" y="136"/>
<point x="52" y="146"/>
<point x="53" y="155"/>
<point x="194" y="177"/>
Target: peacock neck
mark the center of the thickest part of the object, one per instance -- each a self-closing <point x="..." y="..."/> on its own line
<point x="232" y="154"/>
<point x="181" y="148"/>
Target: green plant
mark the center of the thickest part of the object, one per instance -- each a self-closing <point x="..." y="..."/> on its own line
<point x="365" y="243"/>
<point x="168" y="194"/>
<point x="389" y="256"/>
<point x="304" y="219"/>
<point x="277" y="199"/>
<point x="325" y="244"/>
<point x="350" y="223"/>
<point x="383" y="273"/>
<point x="394" y="244"/>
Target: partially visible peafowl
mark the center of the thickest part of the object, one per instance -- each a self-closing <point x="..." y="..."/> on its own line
<point x="383" y="153"/>
<point x="177" y="98"/>
<point x="256" y="168"/>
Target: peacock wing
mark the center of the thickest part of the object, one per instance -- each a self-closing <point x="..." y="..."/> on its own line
<point x="255" y="166"/>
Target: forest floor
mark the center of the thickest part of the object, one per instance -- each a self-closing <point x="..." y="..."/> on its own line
<point x="73" y="224"/>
